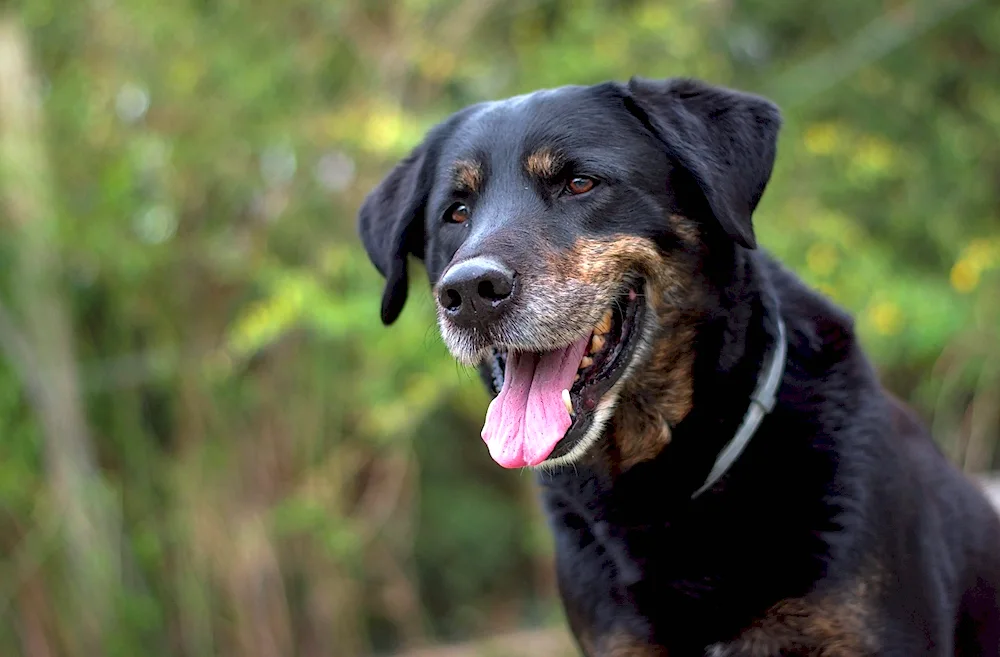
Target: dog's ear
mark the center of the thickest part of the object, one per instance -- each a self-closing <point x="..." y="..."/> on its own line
<point x="391" y="220"/>
<point x="726" y="140"/>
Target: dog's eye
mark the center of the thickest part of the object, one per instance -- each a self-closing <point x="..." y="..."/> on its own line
<point x="580" y="185"/>
<point x="457" y="214"/>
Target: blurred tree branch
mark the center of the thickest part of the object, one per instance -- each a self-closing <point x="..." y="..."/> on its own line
<point x="43" y="349"/>
<point x="889" y="31"/>
<point x="14" y="346"/>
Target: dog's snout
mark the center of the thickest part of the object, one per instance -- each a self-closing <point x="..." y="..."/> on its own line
<point x="476" y="290"/>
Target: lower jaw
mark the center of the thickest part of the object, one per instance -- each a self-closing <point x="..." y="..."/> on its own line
<point x="588" y="426"/>
<point x="595" y="402"/>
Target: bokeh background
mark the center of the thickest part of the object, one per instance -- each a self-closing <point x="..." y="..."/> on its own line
<point x="209" y="445"/>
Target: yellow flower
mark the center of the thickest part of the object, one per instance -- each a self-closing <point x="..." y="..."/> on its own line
<point x="829" y="291"/>
<point x="982" y="254"/>
<point x="821" y="138"/>
<point x="656" y="17"/>
<point x="821" y="259"/>
<point x="887" y="318"/>
<point x="184" y="74"/>
<point x="384" y="129"/>
<point x="874" y="156"/>
<point x="437" y="64"/>
<point x="964" y="276"/>
<point x="612" y="46"/>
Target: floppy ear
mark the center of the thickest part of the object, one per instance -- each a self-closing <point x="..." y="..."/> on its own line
<point x="725" y="139"/>
<point x="391" y="222"/>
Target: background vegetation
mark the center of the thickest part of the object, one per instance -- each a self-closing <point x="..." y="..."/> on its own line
<point x="208" y="443"/>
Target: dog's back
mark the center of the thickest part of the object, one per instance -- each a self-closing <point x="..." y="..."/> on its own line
<point x="960" y="532"/>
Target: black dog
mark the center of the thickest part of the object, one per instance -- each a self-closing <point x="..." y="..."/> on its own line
<point x="740" y="483"/>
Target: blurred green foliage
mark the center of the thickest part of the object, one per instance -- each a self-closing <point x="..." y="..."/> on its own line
<point x="290" y="477"/>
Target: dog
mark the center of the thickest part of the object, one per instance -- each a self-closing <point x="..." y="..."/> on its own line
<point x="722" y="471"/>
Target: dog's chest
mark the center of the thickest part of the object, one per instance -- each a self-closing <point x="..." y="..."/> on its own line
<point x="594" y="574"/>
<point x="660" y="600"/>
<point x="793" y="628"/>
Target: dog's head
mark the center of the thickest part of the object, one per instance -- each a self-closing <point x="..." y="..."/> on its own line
<point x="567" y="234"/>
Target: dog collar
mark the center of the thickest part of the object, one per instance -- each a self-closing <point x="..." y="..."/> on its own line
<point x="761" y="402"/>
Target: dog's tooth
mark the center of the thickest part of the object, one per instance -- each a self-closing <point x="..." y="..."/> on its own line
<point x="596" y="343"/>
<point x="604" y="325"/>
<point x="586" y="362"/>
<point x="567" y="401"/>
<point x="577" y="379"/>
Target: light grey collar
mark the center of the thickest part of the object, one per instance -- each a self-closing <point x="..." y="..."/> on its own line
<point x="761" y="402"/>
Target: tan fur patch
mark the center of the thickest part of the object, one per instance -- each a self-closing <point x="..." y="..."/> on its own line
<point x="686" y="229"/>
<point x="624" y="645"/>
<point x="586" y="643"/>
<point x="659" y="394"/>
<point x="468" y="175"/>
<point x="603" y="260"/>
<point x="543" y="163"/>
<point x="833" y="625"/>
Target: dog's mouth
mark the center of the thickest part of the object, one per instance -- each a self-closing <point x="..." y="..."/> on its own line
<point x="547" y="402"/>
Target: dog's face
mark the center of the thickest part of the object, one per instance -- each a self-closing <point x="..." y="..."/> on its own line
<point x="566" y="234"/>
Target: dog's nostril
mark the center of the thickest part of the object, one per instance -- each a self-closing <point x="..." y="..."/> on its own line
<point x="494" y="289"/>
<point x="452" y="300"/>
<point x="488" y="291"/>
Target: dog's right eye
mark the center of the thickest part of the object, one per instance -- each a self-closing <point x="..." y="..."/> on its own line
<point x="580" y="185"/>
<point x="457" y="213"/>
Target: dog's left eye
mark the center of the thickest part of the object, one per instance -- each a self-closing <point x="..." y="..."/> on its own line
<point x="580" y="185"/>
<point x="457" y="214"/>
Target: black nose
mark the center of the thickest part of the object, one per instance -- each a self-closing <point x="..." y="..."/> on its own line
<point x="476" y="291"/>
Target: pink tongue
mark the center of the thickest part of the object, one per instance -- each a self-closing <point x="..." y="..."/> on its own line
<point x="528" y="417"/>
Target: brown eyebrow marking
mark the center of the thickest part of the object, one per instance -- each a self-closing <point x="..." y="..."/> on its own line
<point x="468" y="175"/>
<point x="543" y="163"/>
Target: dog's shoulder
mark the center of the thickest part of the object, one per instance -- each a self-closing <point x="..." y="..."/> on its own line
<point x="909" y="508"/>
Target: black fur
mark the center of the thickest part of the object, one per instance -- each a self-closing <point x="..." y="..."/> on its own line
<point x="841" y="489"/>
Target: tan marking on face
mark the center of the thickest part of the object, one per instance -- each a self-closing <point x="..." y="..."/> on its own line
<point x="468" y="175"/>
<point x="832" y="625"/>
<point x="600" y="261"/>
<point x="543" y="163"/>
<point x="660" y="391"/>
<point x="569" y="290"/>
<point x="565" y="294"/>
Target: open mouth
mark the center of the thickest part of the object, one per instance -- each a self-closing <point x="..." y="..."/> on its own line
<point x="547" y="402"/>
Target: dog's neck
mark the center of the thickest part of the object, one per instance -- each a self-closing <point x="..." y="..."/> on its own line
<point x="705" y="365"/>
<point x="689" y="559"/>
<point x="629" y="510"/>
